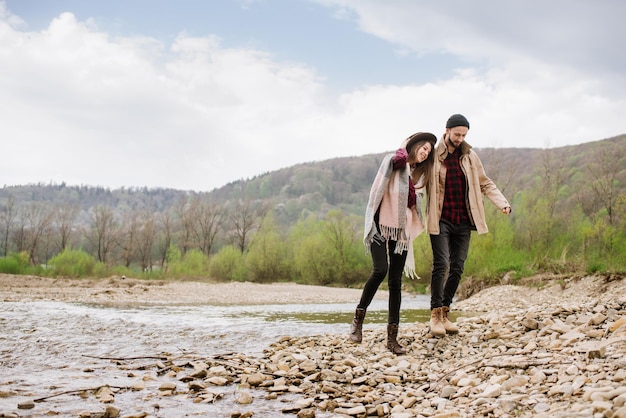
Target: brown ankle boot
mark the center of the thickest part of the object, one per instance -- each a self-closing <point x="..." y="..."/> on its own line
<point x="436" y="325"/>
<point x="392" y="342"/>
<point x="356" y="329"/>
<point x="449" y="326"/>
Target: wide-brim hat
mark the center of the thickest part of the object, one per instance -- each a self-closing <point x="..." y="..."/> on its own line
<point x="420" y="136"/>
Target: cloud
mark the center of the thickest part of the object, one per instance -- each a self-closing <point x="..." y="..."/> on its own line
<point x="84" y="107"/>
<point x="576" y="34"/>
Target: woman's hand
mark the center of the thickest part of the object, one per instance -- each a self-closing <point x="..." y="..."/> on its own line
<point x="400" y="159"/>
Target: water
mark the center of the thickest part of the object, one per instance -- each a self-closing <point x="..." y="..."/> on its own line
<point x="50" y="347"/>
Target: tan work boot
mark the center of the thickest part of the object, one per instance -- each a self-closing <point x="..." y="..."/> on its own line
<point x="356" y="329"/>
<point x="436" y="325"/>
<point x="449" y="326"/>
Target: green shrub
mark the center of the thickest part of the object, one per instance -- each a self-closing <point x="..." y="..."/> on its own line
<point x="15" y="263"/>
<point x="228" y="264"/>
<point x="72" y="263"/>
<point x="193" y="264"/>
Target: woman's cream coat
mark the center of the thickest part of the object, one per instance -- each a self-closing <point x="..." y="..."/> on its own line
<point x="478" y="184"/>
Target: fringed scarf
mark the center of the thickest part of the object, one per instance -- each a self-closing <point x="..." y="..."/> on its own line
<point x="390" y="193"/>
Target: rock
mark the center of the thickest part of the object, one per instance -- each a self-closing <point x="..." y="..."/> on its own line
<point x="26" y="405"/>
<point x="112" y="412"/>
<point x="168" y="386"/>
<point x="306" y="413"/>
<point x="540" y="356"/>
<point x="244" y="398"/>
<point x="217" y="381"/>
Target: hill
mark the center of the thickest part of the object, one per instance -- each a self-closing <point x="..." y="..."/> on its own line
<point x="343" y="183"/>
<point x="564" y="199"/>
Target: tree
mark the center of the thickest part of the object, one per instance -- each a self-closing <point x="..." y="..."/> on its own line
<point x="607" y="162"/>
<point x="8" y="217"/>
<point x="19" y="233"/>
<point x="329" y="251"/>
<point x="266" y="257"/>
<point x="244" y="219"/>
<point x="165" y="220"/>
<point x="537" y="218"/>
<point x="102" y="233"/>
<point x="341" y="232"/>
<point x="145" y="240"/>
<point x="66" y="219"/>
<point x="207" y="221"/>
<point x="228" y="264"/>
<point x="502" y="172"/>
<point x="184" y="211"/>
<point x="127" y="238"/>
<point x="38" y="221"/>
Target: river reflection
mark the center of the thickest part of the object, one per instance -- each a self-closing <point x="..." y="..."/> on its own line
<point x="47" y="347"/>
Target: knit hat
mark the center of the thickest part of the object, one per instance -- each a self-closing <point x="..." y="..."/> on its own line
<point x="457" y="120"/>
<point x="420" y="136"/>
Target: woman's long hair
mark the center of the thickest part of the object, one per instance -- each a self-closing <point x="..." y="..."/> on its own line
<point x="420" y="173"/>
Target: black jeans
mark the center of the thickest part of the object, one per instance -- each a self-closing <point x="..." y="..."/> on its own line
<point x="450" y="250"/>
<point x="385" y="260"/>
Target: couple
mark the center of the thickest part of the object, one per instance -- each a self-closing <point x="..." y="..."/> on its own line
<point x="453" y="177"/>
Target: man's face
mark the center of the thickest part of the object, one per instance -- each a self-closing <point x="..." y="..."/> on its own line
<point x="456" y="136"/>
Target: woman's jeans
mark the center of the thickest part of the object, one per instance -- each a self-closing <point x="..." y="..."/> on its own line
<point x="450" y="249"/>
<point x="385" y="260"/>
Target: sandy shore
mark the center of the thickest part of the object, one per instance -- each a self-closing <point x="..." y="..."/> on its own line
<point x="117" y="290"/>
<point x="539" y="290"/>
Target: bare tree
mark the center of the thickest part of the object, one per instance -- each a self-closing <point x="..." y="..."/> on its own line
<point x="102" y="233"/>
<point x="552" y="180"/>
<point x="245" y="219"/>
<point x="145" y="240"/>
<point x="165" y="220"/>
<point x="38" y="219"/>
<point x="207" y="220"/>
<point x="604" y="168"/>
<point x="185" y="210"/>
<point x="19" y="233"/>
<point x="66" y="219"/>
<point x="8" y="217"/>
<point x="502" y="172"/>
<point x="127" y="237"/>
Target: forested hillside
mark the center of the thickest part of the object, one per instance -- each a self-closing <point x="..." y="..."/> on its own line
<point x="341" y="183"/>
<point x="568" y="203"/>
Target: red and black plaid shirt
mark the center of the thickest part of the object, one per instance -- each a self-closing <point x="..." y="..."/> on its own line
<point x="454" y="208"/>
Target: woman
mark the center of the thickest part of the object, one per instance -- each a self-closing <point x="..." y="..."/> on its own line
<point x="392" y="221"/>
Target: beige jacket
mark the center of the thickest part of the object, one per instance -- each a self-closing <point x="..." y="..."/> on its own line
<point x="478" y="184"/>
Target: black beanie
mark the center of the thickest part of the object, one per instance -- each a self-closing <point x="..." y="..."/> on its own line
<point x="457" y="120"/>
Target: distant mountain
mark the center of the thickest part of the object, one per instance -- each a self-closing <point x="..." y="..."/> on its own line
<point x="344" y="183"/>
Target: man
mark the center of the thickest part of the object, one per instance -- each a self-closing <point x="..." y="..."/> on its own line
<point x="455" y="208"/>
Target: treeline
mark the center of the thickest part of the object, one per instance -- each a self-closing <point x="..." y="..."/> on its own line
<point x="305" y="223"/>
<point x="196" y="239"/>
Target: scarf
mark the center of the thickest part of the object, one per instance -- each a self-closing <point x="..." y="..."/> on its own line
<point x="389" y="194"/>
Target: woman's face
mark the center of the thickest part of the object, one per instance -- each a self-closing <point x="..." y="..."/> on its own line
<point x="421" y="154"/>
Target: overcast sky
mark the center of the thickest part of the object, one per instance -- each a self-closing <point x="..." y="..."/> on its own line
<point x="194" y="94"/>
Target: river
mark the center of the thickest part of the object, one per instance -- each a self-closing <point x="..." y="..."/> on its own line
<point x="52" y="347"/>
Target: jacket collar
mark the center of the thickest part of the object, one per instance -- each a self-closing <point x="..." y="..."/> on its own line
<point x="442" y="149"/>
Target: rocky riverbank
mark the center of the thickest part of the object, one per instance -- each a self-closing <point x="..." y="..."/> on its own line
<point x="557" y="349"/>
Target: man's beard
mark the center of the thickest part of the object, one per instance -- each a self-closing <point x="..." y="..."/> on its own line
<point x="452" y="144"/>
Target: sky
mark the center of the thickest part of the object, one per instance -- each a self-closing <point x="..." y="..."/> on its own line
<point x="195" y="94"/>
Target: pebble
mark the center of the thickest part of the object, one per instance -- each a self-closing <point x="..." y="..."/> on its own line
<point x="539" y="358"/>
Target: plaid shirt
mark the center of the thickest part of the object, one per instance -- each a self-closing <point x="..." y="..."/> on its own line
<point x="454" y="207"/>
